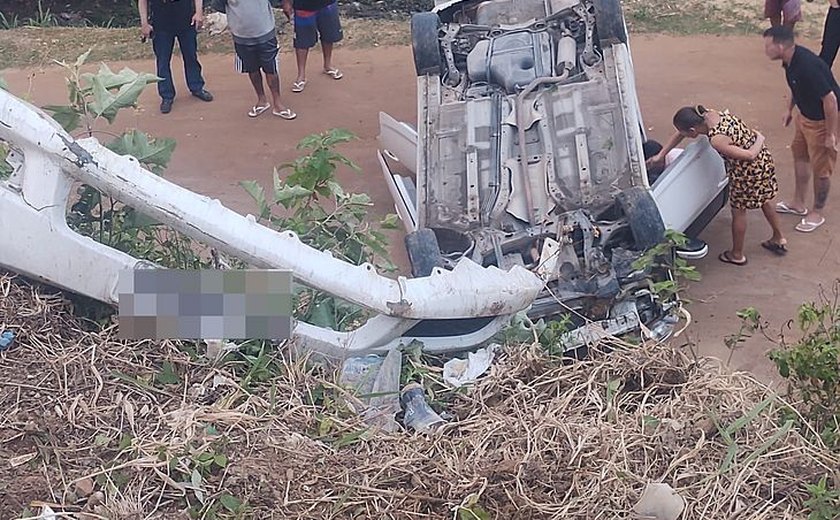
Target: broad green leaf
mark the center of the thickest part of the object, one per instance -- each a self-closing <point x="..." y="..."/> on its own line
<point x="391" y="221"/>
<point x="323" y="314"/>
<point x="167" y="375"/>
<point x="361" y="199"/>
<point x="106" y="104"/>
<point x="111" y="80"/>
<point x="3" y="84"/>
<point x="82" y="59"/>
<point x="220" y="459"/>
<point x="156" y="152"/>
<point x="289" y="193"/>
<point x="257" y="193"/>
<point x="66" y="116"/>
<point x="230" y="502"/>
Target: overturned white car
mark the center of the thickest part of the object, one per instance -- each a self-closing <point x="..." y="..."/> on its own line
<point x="528" y="151"/>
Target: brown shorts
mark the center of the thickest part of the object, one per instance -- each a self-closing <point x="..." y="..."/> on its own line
<point x="809" y="145"/>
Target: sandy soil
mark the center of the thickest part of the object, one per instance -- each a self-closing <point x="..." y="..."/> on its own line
<point x="218" y="146"/>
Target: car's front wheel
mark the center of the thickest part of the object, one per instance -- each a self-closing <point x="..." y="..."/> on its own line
<point x="425" y="44"/>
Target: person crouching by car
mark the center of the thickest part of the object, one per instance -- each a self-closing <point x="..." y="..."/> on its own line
<point x="749" y="166"/>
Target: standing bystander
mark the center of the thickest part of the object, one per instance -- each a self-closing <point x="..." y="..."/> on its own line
<point x="163" y="21"/>
<point x="314" y="18"/>
<point x="814" y="92"/>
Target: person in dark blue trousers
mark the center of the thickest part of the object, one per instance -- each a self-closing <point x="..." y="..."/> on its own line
<point x="163" y="21"/>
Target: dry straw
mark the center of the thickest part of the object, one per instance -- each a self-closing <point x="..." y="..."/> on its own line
<point x="534" y="438"/>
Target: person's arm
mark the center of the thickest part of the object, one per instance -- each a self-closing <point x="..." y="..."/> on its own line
<point x="286" y="6"/>
<point x="672" y="143"/>
<point x="788" y="116"/>
<point x="145" y="27"/>
<point x="830" y="108"/>
<point x="198" y="17"/>
<point x="725" y="147"/>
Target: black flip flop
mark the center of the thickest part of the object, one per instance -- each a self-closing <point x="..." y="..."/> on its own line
<point x="779" y="249"/>
<point x="725" y="258"/>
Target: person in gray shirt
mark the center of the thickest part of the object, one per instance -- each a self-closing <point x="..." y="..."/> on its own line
<point x="251" y="22"/>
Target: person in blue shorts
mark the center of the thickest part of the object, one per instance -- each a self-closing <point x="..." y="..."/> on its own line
<point x="314" y="18"/>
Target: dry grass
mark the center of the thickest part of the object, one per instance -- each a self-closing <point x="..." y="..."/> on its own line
<point x="535" y="438"/>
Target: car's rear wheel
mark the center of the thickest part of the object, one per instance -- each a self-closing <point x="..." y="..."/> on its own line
<point x="424" y="43"/>
<point x="643" y="217"/>
<point x="423" y="252"/>
<point x="609" y="22"/>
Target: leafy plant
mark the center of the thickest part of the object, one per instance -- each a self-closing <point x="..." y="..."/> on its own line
<point x="663" y="256"/>
<point x="11" y="22"/>
<point x="824" y="503"/>
<point x="750" y="322"/>
<point x="811" y="363"/>
<point x="100" y="96"/>
<point x="551" y="334"/>
<point x="311" y="203"/>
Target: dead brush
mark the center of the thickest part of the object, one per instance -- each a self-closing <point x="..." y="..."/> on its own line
<point x="534" y="438"/>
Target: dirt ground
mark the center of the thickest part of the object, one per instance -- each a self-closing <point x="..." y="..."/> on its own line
<point x="218" y="146"/>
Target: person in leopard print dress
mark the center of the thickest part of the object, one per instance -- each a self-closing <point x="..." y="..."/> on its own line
<point x="749" y="165"/>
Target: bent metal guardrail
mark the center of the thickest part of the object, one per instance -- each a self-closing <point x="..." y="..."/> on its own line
<point x="37" y="242"/>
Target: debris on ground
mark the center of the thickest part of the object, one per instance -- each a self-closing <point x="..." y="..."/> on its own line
<point x="659" y="501"/>
<point x="458" y="372"/>
<point x="536" y="437"/>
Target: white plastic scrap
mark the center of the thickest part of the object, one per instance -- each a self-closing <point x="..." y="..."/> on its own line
<point x="660" y="502"/>
<point x="47" y="514"/>
<point x="459" y="372"/>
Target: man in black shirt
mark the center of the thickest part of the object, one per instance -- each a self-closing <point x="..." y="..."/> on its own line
<point x="314" y="18"/>
<point x="814" y="92"/>
<point x="163" y="21"/>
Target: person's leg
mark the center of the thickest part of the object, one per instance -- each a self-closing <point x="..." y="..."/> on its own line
<point x="739" y="232"/>
<point x="824" y="160"/>
<point x="269" y="54"/>
<point x="247" y="62"/>
<point x="188" y="42"/>
<point x="306" y="36"/>
<point x="773" y="11"/>
<point x="329" y="27"/>
<point x="801" y="166"/>
<point x="792" y="11"/>
<point x="769" y="210"/>
<point x="831" y="36"/>
<point x="163" y="43"/>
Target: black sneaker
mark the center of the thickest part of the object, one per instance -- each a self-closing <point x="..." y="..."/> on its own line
<point x="166" y="106"/>
<point x="203" y="95"/>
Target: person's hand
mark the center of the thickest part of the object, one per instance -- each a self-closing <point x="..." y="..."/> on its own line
<point x="198" y="20"/>
<point x="146" y="29"/>
<point x="656" y="159"/>
<point x="287" y="10"/>
<point x="831" y="141"/>
<point x="787" y="118"/>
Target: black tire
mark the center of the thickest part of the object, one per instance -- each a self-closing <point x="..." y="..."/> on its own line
<point x="643" y="217"/>
<point x="609" y="22"/>
<point x="424" y="43"/>
<point x="423" y="252"/>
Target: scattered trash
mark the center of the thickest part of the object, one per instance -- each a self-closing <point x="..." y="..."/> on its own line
<point x="47" y="514"/>
<point x="385" y="394"/>
<point x="459" y="372"/>
<point x="216" y="348"/>
<point x="359" y="374"/>
<point x="659" y="501"/>
<point x="418" y="414"/>
<point x="20" y="460"/>
<point x="6" y="340"/>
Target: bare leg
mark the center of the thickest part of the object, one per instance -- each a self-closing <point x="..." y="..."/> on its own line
<point x="821" y="188"/>
<point x="803" y="178"/>
<point x="301" y="55"/>
<point x="739" y="231"/>
<point x="769" y="210"/>
<point x="327" y="48"/>
<point x="274" y="86"/>
<point x="257" y="82"/>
